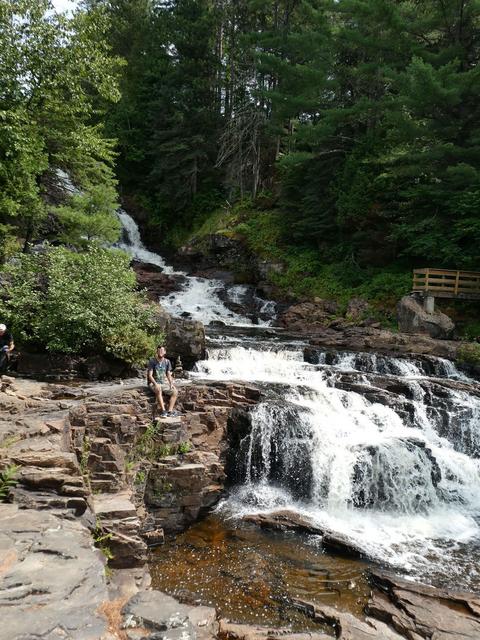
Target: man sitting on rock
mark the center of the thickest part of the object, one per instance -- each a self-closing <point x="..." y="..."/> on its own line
<point x="160" y="381"/>
<point x="6" y="347"/>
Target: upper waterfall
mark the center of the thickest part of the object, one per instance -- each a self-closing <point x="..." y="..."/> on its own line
<point x="198" y="298"/>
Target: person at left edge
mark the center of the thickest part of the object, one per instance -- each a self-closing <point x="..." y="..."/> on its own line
<point x="6" y="347"/>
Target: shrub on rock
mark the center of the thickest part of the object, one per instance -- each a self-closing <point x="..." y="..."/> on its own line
<point x="82" y="303"/>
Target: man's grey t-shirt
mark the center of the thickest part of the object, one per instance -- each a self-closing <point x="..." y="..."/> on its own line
<point x="159" y="369"/>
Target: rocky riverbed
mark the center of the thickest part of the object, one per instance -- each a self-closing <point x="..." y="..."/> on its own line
<point x="83" y="499"/>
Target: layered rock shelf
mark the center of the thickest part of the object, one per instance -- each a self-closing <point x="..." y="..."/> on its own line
<point x="98" y="480"/>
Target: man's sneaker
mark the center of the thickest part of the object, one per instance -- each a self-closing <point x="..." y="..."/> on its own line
<point x="173" y="414"/>
<point x="164" y="414"/>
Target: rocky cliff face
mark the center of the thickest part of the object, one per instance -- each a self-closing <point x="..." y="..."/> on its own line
<point x="90" y="467"/>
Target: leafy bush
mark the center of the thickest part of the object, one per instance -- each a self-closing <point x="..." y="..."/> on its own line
<point x="469" y="353"/>
<point x="83" y="303"/>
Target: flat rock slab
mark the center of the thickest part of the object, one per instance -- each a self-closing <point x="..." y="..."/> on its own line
<point x="52" y="580"/>
<point x="156" y="611"/>
<point x="230" y="631"/>
<point x="347" y="626"/>
<point x="161" y="616"/>
<point x="417" y="610"/>
<point x="114" y="505"/>
<point x="285" y="520"/>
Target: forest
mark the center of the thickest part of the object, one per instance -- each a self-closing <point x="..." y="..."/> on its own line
<point x="340" y="137"/>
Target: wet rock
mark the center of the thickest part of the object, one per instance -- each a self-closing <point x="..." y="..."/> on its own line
<point x="52" y="580"/>
<point x="420" y="611"/>
<point x="285" y="520"/>
<point x="370" y="339"/>
<point x="306" y="316"/>
<point x="346" y="626"/>
<point x="230" y="631"/>
<point x="157" y="284"/>
<point x="412" y="318"/>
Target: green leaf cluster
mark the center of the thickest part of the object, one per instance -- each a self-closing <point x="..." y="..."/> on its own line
<point x="57" y="75"/>
<point x="85" y="303"/>
<point x="8" y="481"/>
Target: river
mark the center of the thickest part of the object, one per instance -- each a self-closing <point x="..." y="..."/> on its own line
<point x="384" y="451"/>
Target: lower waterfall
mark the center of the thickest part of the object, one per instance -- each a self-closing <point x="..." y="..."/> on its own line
<point x="400" y="480"/>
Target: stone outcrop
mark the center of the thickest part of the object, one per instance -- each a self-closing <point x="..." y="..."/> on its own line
<point x="308" y="316"/>
<point x="231" y="631"/>
<point x="53" y="367"/>
<point x="52" y="580"/>
<point x="178" y="476"/>
<point x="78" y="482"/>
<point x="152" y="614"/>
<point x="94" y="467"/>
<point x="419" y="611"/>
<point x="155" y="282"/>
<point x="413" y="318"/>
<point x="221" y="251"/>
<point x="285" y="520"/>
<point x="347" y="626"/>
<point x="383" y="341"/>
<point x="184" y="338"/>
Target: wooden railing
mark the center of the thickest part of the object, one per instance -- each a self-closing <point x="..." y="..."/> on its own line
<point x="442" y="283"/>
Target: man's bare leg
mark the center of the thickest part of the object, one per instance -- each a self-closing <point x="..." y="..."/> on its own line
<point x="173" y="399"/>
<point x="159" y="397"/>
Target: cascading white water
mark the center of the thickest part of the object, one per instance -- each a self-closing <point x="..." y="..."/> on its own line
<point x="401" y="479"/>
<point x="134" y="245"/>
<point x="399" y="492"/>
<point x="199" y="297"/>
<point x="374" y="363"/>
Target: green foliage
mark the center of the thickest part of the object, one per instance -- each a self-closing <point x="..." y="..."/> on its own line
<point x="57" y="76"/>
<point x="471" y="330"/>
<point x="140" y="477"/>
<point x="148" y="448"/>
<point x="84" y="303"/>
<point x="361" y="118"/>
<point x="7" y="481"/>
<point x="184" y="447"/>
<point x="469" y="352"/>
<point x="89" y="216"/>
<point x="100" y="537"/>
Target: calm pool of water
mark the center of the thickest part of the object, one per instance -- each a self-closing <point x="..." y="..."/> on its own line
<point x="251" y="576"/>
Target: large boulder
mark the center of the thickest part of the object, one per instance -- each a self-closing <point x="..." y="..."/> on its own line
<point x="184" y="338"/>
<point x="413" y="318"/>
<point x="156" y="283"/>
<point x="305" y="316"/>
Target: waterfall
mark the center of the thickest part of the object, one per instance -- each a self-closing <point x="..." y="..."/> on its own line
<point x="399" y="490"/>
<point x="384" y="451"/>
<point x="375" y="363"/>
<point x="198" y="298"/>
<point x="132" y="244"/>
